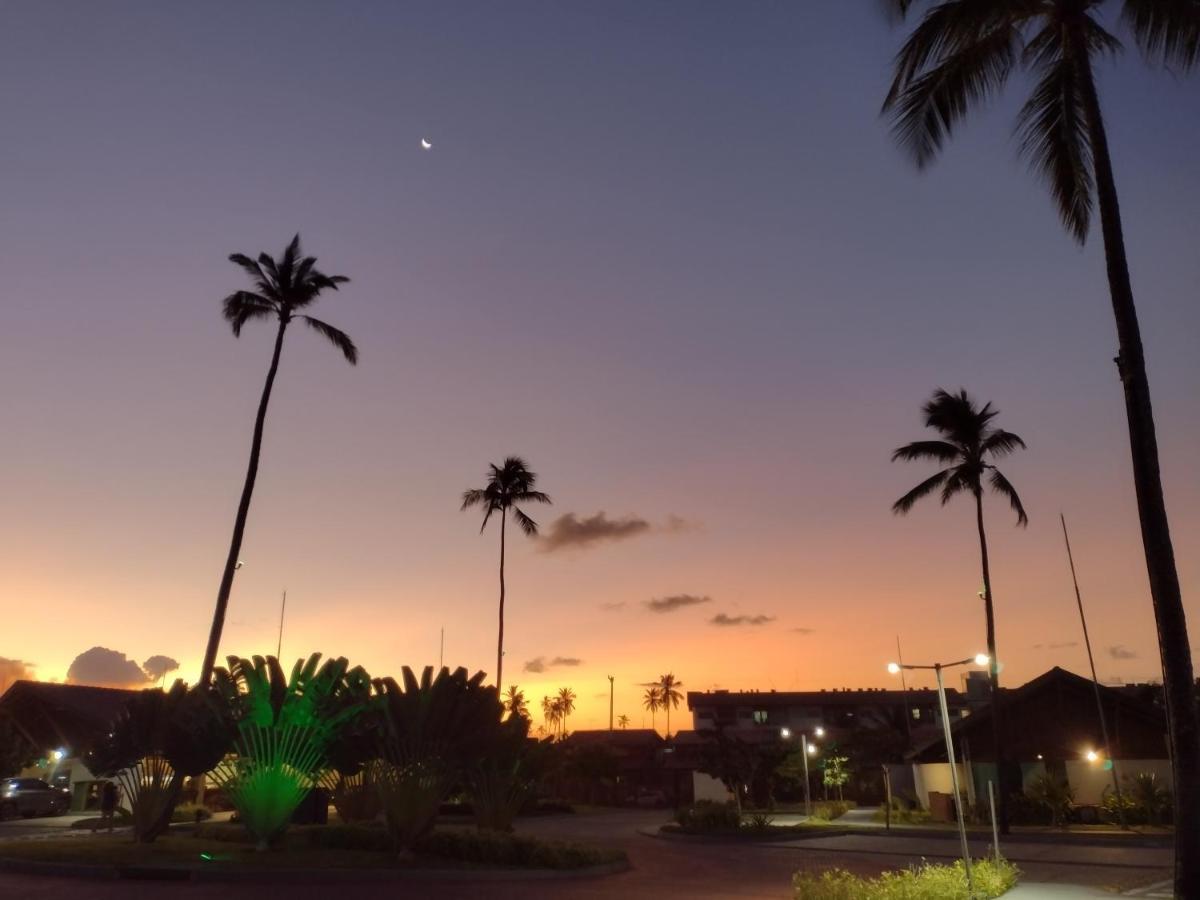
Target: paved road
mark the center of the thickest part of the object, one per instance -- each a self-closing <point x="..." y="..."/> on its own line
<point x="662" y="869"/>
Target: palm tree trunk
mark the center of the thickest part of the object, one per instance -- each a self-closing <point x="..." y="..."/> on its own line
<point x="500" y="637"/>
<point x="243" y="510"/>
<point x="993" y="674"/>
<point x="1174" y="649"/>
<point x="668" y="720"/>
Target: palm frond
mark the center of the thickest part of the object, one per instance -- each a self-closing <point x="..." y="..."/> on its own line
<point x="926" y="109"/>
<point x="336" y="336"/>
<point x="937" y="451"/>
<point x="473" y="497"/>
<point x="1053" y="132"/>
<point x="960" y="480"/>
<point x="242" y="306"/>
<point x="1167" y="31"/>
<point x="1001" y="485"/>
<point x="527" y="524"/>
<point x="1001" y="443"/>
<point x="531" y="497"/>
<point x="928" y="486"/>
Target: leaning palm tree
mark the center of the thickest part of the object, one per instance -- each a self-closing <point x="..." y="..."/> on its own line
<point x="669" y="695"/>
<point x="969" y="443"/>
<point x="507" y="485"/>
<point x="959" y="55"/>
<point x="566" y="705"/>
<point x="282" y="289"/>
<point x="515" y="703"/>
<point x="652" y="701"/>
<point x="622" y="721"/>
<point x="552" y="713"/>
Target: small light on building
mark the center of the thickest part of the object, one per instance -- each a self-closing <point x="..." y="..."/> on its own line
<point x="1092" y="756"/>
<point x="820" y="732"/>
<point x="1039" y="756"/>
<point x="785" y="733"/>
<point x="812" y="749"/>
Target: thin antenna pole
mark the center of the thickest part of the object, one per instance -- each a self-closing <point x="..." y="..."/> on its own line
<point x="442" y="648"/>
<point x="1087" y="642"/>
<point x="904" y="689"/>
<point x="282" y="610"/>
<point x="611" y="681"/>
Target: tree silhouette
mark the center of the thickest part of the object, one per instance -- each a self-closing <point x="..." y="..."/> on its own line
<point x="514" y="702"/>
<point x="282" y="288"/>
<point x="622" y="721"/>
<point x="566" y="705"/>
<point x="507" y="485"/>
<point x="956" y="57"/>
<point x="652" y="700"/>
<point x="968" y="444"/>
<point x="669" y="695"/>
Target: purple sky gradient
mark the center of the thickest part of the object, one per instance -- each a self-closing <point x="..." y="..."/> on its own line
<point x="667" y="252"/>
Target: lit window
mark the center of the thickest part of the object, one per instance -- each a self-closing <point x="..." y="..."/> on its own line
<point x="916" y="713"/>
<point x="760" y="716"/>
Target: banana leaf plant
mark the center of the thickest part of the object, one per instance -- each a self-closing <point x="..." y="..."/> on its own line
<point x="506" y="778"/>
<point x="284" y="728"/>
<point x="434" y="731"/>
<point x="159" y="739"/>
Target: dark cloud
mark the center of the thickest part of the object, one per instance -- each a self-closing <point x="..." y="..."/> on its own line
<point x="724" y="619"/>
<point x="674" y="602"/>
<point x="618" y="604"/>
<point x="158" y="666"/>
<point x="106" y="668"/>
<point x="1119" y="651"/>
<point x="14" y="670"/>
<point x="570" y="531"/>
<point x="540" y="664"/>
<point x="803" y="630"/>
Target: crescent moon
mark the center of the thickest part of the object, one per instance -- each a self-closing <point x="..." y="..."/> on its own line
<point x="425" y="145"/>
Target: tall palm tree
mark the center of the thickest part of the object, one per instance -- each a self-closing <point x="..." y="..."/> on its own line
<point x="552" y="713"/>
<point x="652" y="701"/>
<point x="961" y="53"/>
<point x="623" y="721"/>
<point x="969" y="443"/>
<point x="669" y="695"/>
<point x="507" y="485"/>
<point x="566" y="705"/>
<point x="282" y="289"/>
<point x="515" y="703"/>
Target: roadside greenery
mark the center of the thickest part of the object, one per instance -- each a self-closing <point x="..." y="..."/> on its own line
<point x="925" y="882"/>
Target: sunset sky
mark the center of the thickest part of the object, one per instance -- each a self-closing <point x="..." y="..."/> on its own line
<point x="669" y="254"/>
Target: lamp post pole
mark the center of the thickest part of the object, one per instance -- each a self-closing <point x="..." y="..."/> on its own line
<point x="610" y="701"/>
<point x="980" y="660"/>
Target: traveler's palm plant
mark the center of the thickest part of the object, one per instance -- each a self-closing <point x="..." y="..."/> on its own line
<point x="159" y="739"/>
<point x="285" y="728"/>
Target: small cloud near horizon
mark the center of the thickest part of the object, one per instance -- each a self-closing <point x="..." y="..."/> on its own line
<point x="723" y="619"/>
<point x="15" y="670"/>
<point x="802" y="630"/>
<point x="540" y="664"/>
<point x="101" y="667"/>
<point x="1119" y="651"/>
<point x="618" y="604"/>
<point x="674" y="602"/>
<point x="1060" y="646"/>
<point x="570" y="531"/>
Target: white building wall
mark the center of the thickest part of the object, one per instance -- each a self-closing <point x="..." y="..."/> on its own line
<point x="1090" y="780"/>
<point x="705" y="787"/>
<point x="936" y="777"/>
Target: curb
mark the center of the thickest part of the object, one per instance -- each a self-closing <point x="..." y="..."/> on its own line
<point x="311" y="876"/>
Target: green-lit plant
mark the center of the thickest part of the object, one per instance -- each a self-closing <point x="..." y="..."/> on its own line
<point x="991" y="878"/>
<point x="159" y="739"/>
<point x="834" y="773"/>
<point x="1054" y="795"/>
<point x="285" y="728"/>
<point x="433" y="732"/>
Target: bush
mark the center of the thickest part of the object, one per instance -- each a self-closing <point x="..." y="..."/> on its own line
<point x="191" y="812"/>
<point x="902" y="813"/>
<point x="705" y="816"/>
<point x="1144" y="799"/>
<point x="759" y="822"/>
<point x="1054" y="795"/>
<point x="827" y="811"/>
<point x="927" y="882"/>
<point x="499" y="849"/>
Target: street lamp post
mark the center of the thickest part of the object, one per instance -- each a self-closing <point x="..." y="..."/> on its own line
<point x="980" y="659"/>
<point x="805" y="749"/>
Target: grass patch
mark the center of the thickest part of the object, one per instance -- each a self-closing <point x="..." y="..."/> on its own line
<point x="925" y="882"/>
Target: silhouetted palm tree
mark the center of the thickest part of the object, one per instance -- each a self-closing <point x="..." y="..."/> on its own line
<point x="968" y="444"/>
<point x="622" y="721"/>
<point x="652" y="700"/>
<point x="957" y="56"/>
<point x="507" y="485"/>
<point x="552" y="713"/>
<point x="669" y="696"/>
<point x="514" y="702"/>
<point x="282" y="288"/>
<point x="566" y="705"/>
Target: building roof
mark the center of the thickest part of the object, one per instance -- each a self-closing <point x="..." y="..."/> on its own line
<point x="618" y="738"/>
<point x="70" y="716"/>
<point x="847" y="697"/>
<point x="1054" y="716"/>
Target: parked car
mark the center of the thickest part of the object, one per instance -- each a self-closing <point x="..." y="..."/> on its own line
<point x="31" y="797"/>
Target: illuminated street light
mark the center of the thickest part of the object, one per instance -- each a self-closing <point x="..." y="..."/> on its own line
<point x="820" y="732"/>
<point x="785" y="733"/>
<point x="1092" y="756"/>
<point x="981" y="659"/>
<point x="812" y="749"/>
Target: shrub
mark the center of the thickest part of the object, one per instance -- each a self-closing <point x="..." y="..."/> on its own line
<point x="902" y="813"/>
<point x="1054" y="795"/>
<point x="827" y="811"/>
<point x="191" y="812"/>
<point x="499" y="849"/>
<point x="758" y="822"/>
<point x="1144" y="801"/>
<point x="927" y="882"/>
<point x="706" y="816"/>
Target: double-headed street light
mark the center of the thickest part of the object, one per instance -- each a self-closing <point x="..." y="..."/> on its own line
<point x="807" y="750"/>
<point x="981" y="659"/>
